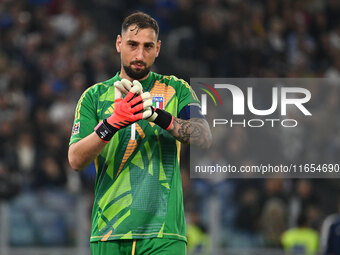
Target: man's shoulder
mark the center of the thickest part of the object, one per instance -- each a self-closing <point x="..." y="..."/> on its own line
<point x="100" y="87"/>
<point x="109" y="82"/>
<point x="104" y="85"/>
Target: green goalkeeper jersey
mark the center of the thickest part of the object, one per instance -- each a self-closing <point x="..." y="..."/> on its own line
<point x="138" y="188"/>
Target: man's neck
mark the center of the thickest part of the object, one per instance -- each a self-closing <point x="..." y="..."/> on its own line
<point x="123" y="75"/>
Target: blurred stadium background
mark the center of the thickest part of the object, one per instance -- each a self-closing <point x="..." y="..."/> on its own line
<point x="52" y="50"/>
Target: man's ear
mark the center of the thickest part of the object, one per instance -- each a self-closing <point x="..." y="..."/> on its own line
<point x="158" y="47"/>
<point x="118" y="43"/>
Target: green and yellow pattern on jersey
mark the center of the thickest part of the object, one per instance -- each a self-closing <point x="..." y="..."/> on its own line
<point x="138" y="189"/>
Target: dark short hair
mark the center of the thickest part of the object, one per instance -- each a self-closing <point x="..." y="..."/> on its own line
<point x="141" y="20"/>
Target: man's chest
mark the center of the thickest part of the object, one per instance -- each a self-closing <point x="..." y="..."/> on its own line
<point x="162" y="96"/>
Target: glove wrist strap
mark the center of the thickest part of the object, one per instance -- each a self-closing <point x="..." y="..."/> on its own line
<point x="163" y="119"/>
<point x="105" y="131"/>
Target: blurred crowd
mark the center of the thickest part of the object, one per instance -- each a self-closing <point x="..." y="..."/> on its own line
<point x="52" y="50"/>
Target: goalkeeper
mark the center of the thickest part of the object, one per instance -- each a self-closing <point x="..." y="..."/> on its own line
<point x="131" y="126"/>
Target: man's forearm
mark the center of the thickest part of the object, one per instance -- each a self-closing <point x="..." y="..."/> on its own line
<point x="83" y="152"/>
<point x="194" y="131"/>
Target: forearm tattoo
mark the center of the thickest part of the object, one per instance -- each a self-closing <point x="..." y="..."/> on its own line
<point x="194" y="131"/>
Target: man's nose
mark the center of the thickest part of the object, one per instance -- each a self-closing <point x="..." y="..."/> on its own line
<point x="140" y="53"/>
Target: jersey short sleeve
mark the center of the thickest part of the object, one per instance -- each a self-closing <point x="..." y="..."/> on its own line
<point x="85" y="118"/>
<point x="186" y="95"/>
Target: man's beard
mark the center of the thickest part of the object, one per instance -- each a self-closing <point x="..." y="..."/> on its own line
<point x="136" y="74"/>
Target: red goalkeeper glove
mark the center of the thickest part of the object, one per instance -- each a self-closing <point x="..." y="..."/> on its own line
<point x="126" y="111"/>
<point x="160" y="117"/>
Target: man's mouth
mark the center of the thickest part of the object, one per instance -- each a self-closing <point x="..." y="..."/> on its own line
<point x="138" y="65"/>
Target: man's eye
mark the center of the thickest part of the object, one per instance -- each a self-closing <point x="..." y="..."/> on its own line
<point x="148" y="46"/>
<point x="133" y="44"/>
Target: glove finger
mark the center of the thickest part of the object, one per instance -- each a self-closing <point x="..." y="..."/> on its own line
<point x="129" y="96"/>
<point x="138" y="116"/>
<point x="141" y="106"/>
<point x="142" y="98"/>
<point x="146" y="96"/>
<point x="118" y="94"/>
<point x="153" y="116"/>
<point x="126" y="84"/>
<point x="147" y="103"/>
<point x="147" y="113"/>
<point x="120" y="87"/>
<point x="138" y="84"/>
<point x="135" y="101"/>
<point x="137" y="108"/>
<point x="136" y="90"/>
